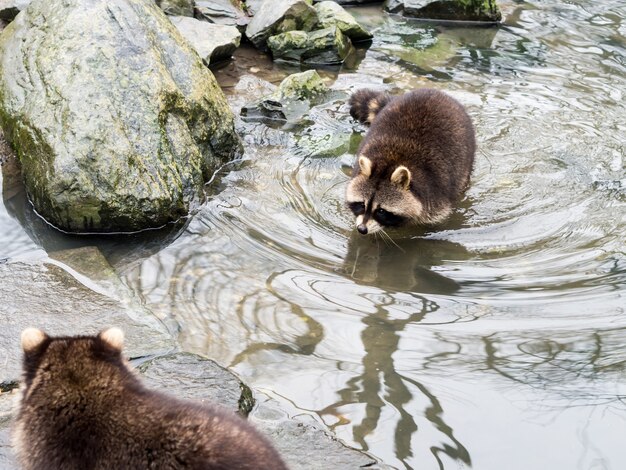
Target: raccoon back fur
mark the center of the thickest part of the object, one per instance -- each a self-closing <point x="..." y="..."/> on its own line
<point x="414" y="162"/>
<point x="83" y="408"/>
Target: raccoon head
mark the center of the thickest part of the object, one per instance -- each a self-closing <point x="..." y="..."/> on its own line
<point x="380" y="199"/>
<point x="69" y="362"/>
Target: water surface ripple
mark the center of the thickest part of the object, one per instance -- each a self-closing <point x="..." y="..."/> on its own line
<point x="494" y="342"/>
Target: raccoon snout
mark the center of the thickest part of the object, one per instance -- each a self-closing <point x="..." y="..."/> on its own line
<point x="362" y="228"/>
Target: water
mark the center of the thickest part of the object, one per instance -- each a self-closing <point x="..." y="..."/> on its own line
<point x="495" y="341"/>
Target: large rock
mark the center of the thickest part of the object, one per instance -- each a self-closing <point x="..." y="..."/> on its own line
<point x="47" y="296"/>
<point x="224" y="12"/>
<point x="192" y="377"/>
<point x="176" y="7"/>
<point x="10" y="8"/>
<point x="279" y="16"/>
<point x="457" y="10"/>
<point x="326" y="46"/>
<point x="212" y="42"/>
<point x="116" y="121"/>
<point x="331" y="14"/>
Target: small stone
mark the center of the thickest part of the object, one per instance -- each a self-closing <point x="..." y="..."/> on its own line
<point x="224" y="12"/>
<point x="176" y="7"/>
<point x="254" y="70"/>
<point x="279" y="16"/>
<point x="212" y="42"/>
<point x="327" y="46"/>
<point x="331" y="14"/>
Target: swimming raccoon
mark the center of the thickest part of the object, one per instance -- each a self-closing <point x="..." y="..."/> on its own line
<point x="83" y="408"/>
<point x="414" y="162"/>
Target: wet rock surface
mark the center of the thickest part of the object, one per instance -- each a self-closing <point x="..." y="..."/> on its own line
<point x="7" y="405"/>
<point x="116" y="121"/>
<point x="224" y="12"/>
<point x="456" y="10"/>
<point x="176" y="7"/>
<point x="332" y="14"/>
<point x="327" y="46"/>
<point x="303" y="443"/>
<point x="212" y="42"/>
<point x="290" y="99"/>
<point x="190" y="376"/>
<point x="52" y="297"/>
<point x="279" y="16"/>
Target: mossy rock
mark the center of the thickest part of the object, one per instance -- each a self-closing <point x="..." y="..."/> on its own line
<point x="116" y="121"/>
<point x="332" y="14"/>
<point x="451" y="10"/>
<point x="327" y="46"/>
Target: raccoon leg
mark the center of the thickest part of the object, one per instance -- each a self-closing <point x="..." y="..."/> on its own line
<point x="365" y="104"/>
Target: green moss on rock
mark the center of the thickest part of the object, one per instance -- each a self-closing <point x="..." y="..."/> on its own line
<point x="116" y="121"/>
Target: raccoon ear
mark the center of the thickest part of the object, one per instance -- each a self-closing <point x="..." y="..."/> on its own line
<point x="402" y="177"/>
<point x="365" y="165"/>
<point x="31" y="339"/>
<point x="114" y="337"/>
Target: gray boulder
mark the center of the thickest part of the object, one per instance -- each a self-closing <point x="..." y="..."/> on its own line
<point x="116" y="121"/>
<point x="331" y="14"/>
<point x="176" y="7"/>
<point x="225" y="12"/>
<point x="457" y="10"/>
<point x="10" y="8"/>
<point x="327" y="46"/>
<point x="212" y="42"/>
<point x="279" y="16"/>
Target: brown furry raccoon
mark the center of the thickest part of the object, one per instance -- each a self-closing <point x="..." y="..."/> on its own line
<point x="83" y="408"/>
<point x="414" y="162"/>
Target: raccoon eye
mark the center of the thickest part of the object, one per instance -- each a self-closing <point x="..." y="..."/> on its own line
<point x="358" y="208"/>
<point x="387" y="218"/>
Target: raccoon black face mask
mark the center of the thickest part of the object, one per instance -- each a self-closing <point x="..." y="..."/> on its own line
<point x="414" y="162"/>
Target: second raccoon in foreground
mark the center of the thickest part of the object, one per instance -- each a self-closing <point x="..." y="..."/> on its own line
<point x="83" y="408"/>
<point x="414" y="162"/>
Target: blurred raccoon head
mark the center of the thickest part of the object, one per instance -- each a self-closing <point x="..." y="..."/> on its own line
<point x="382" y="198"/>
<point x="70" y="363"/>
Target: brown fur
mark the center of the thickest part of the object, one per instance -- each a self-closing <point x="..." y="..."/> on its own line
<point x="83" y="408"/>
<point x="420" y="150"/>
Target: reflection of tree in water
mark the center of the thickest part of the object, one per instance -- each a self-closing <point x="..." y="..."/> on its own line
<point x="570" y="368"/>
<point x="380" y="340"/>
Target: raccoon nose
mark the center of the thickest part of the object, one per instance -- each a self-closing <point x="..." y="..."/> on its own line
<point x="362" y="229"/>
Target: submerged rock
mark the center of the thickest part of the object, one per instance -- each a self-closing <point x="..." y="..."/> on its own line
<point x="457" y="10"/>
<point x="326" y="46"/>
<point x="176" y="7"/>
<point x="212" y="42"/>
<point x="331" y="14"/>
<point x="279" y="16"/>
<point x="10" y="8"/>
<point x="116" y="121"/>
<point x="224" y="12"/>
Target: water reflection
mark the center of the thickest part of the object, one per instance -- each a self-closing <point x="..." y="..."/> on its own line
<point x="492" y="342"/>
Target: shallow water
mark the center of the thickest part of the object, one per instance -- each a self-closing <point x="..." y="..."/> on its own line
<point x="495" y="341"/>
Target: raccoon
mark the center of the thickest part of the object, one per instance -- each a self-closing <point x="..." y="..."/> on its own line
<point x="83" y="408"/>
<point x="414" y="162"/>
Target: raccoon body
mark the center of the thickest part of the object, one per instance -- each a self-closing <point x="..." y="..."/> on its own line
<point x="83" y="408"/>
<point x="414" y="162"/>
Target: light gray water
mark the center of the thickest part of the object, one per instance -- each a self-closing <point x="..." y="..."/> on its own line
<point x="494" y="342"/>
